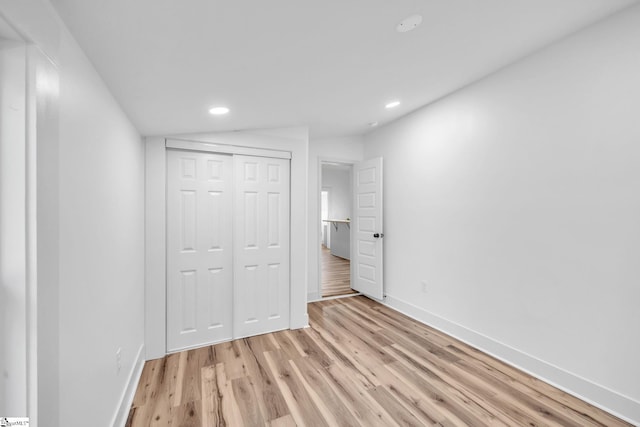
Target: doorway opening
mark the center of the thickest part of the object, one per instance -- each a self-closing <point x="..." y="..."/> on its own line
<point x="336" y="199"/>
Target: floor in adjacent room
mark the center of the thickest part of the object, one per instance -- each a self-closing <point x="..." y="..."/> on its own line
<point x="360" y="363"/>
<point x="336" y="275"/>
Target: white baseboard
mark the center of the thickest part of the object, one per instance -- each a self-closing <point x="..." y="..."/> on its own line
<point x="122" y="412"/>
<point x="306" y="320"/>
<point x="613" y="402"/>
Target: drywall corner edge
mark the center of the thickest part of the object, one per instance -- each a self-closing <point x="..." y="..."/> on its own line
<point x="155" y="298"/>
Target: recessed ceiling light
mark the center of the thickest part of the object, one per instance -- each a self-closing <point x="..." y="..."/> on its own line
<point x="373" y="124"/>
<point x="218" y="111"/>
<point x="410" y="23"/>
<point x="392" y="104"/>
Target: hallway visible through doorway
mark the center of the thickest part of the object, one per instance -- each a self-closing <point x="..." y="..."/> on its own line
<point x="336" y="202"/>
<point x="335" y="275"/>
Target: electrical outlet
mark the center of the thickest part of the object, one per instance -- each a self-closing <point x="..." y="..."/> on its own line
<point x="118" y="359"/>
<point x="424" y="286"/>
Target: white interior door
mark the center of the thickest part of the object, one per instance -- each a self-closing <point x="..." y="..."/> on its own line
<point x="199" y="248"/>
<point x="261" y="255"/>
<point x="366" y="253"/>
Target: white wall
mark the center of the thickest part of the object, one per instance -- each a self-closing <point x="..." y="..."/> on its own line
<point x="101" y="242"/>
<point x="13" y="267"/>
<point x="338" y="181"/>
<point x="343" y="149"/>
<point x="43" y="229"/>
<point x="516" y="200"/>
<point x="98" y="159"/>
<point x="293" y="140"/>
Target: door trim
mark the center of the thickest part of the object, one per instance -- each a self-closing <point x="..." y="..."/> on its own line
<point x="182" y="144"/>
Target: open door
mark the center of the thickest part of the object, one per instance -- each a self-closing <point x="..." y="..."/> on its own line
<point x="367" y="232"/>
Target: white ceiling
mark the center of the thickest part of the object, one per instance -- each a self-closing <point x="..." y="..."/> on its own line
<point x="328" y="64"/>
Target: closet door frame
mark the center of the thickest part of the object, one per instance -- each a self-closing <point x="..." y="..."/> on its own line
<point x="290" y="144"/>
<point x="180" y="144"/>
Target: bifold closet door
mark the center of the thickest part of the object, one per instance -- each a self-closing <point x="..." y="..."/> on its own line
<point x="199" y="248"/>
<point x="261" y="245"/>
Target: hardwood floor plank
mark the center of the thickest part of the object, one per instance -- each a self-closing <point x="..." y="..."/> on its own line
<point x="357" y="399"/>
<point x="261" y="343"/>
<point x="286" y="421"/>
<point x="398" y="412"/>
<point x="331" y="405"/>
<point x="359" y="328"/>
<point x="395" y="329"/>
<point x="144" y="412"/>
<point x="269" y="398"/>
<point x="148" y="382"/>
<point x="412" y="398"/>
<point x="204" y="356"/>
<point x="500" y="404"/>
<point x="309" y="347"/>
<point x="335" y="274"/>
<point x="448" y="399"/>
<point x="160" y="406"/>
<point x="483" y="396"/>
<point x="359" y="343"/>
<point x="229" y="354"/>
<point x="302" y="407"/>
<point x="330" y="349"/>
<point x="349" y="310"/>
<point x="186" y="415"/>
<point x="286" y="345"/>
<point x="536" y="403"/>
<point x="211" y="399"/>
<point x="131" y="416"/>
<point x="347" y="356"/>
<point x="246" y="397"/>
<point x="360" y="363"/>
<point x="188" y="379"/>
<point x="230" y="409"/>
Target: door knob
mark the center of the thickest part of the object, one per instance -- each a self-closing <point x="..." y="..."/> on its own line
<point x="377" y="235"/>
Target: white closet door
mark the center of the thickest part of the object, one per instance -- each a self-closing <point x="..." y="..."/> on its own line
<point x="199" y="248"/>
<point x="261" y="254"/>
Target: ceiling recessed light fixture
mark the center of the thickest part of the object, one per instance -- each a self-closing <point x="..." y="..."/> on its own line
<point x="410" y="23"/>
<point x="373" y="124"/>
<point x="392" y="104"/>
<point x="218" y="111"/>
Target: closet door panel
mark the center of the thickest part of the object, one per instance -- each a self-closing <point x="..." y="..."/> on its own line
<point x="199" y="248"/>
<point x="261" y="255"/>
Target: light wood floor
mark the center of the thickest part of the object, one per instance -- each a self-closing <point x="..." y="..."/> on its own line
<point x="336" y="275"/>
<point x="360" y="363"/>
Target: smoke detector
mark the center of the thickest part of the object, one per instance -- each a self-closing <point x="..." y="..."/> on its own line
<point x="410" y="23"/>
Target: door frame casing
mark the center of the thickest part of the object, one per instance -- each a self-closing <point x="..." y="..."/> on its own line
<point x="294" y="141"/>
